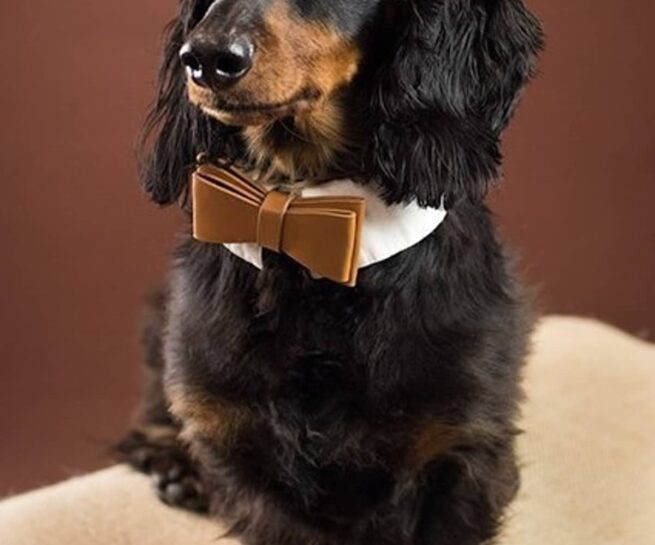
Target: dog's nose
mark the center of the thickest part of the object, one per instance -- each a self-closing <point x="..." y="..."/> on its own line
<point x="217" y="64"/>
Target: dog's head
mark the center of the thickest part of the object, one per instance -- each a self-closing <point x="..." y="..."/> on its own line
<point x="416" y="91"/>
<point x="249" y="63"/>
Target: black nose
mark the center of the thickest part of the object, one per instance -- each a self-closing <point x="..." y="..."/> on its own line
<point x="217" y="64"/>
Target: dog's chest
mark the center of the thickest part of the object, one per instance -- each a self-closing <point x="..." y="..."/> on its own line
<point x="263" y="353"/>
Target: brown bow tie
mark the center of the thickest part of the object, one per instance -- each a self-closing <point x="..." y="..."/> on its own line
<point x="321" y="233"/>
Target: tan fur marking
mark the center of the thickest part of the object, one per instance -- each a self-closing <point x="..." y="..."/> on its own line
<point x="431" y="439"/>
<point x="296" y="55"/>
<point x="327" y="62"/>
<point x="159" y="434"/>
<point x="204" y="417"/>
<point x="198" y="95"/>
<point x="319" y="135"/>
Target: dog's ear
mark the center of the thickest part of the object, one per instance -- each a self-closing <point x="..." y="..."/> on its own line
<point x="176" y="131"/>
<point x="440" y="105"/>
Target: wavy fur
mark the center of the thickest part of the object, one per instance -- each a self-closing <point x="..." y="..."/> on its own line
<point x="384" y="414"/>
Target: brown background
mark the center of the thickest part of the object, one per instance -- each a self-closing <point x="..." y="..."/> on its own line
<point x="80" y="246"/>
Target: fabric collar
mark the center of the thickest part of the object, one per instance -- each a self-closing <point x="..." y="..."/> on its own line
<point x="387" y="231"/>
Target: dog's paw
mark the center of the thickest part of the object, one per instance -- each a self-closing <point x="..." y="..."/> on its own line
<point x="178" y="485"/>
<point x="146" y="448"/>
<point x="158" y="453"/>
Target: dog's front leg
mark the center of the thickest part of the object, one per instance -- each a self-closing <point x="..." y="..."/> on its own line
<point x="153" y="446"/>
<point x="465" y="497"/>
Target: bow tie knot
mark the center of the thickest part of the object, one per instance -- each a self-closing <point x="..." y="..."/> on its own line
<point x="270" y="220"/>
<point x="321" y="233"/>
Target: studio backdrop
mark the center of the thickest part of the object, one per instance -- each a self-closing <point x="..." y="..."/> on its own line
<point x="80" y="247"/>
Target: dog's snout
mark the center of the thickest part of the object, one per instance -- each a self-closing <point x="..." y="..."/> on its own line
<point x="217" y="63"/>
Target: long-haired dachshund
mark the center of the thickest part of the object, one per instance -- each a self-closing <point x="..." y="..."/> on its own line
<point x="297" y="409"/>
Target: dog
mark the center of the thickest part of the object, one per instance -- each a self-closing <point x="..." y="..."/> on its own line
<point x="294" y="408"/>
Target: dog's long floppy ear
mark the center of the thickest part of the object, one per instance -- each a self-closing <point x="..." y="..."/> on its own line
<point x="176" y="131"/>
<point x="450" y="89"/>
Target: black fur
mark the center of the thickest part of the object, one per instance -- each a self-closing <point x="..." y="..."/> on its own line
<point x="448" y="91"/>
<point x="180" y="131"/>
<point x="328" y="393"/>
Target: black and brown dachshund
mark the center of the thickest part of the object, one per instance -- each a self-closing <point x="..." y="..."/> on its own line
<point x="297" y="410"/>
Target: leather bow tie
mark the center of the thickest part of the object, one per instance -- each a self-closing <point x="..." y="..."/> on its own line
<point x="321" y="233"/>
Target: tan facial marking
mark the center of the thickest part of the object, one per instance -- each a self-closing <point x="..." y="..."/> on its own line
<point x="199" y="95"/>
<point x="323" y="58"/>
<point x="315" y="139"/>
<point x="298" y="61"/>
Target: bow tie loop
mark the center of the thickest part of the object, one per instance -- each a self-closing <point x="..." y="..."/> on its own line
<point x="322" y="233"/>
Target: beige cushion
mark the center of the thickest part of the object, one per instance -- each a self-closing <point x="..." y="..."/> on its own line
<point x="588" y="455"/>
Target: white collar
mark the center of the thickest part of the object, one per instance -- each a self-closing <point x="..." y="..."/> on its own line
<point x="387" y="231"/>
